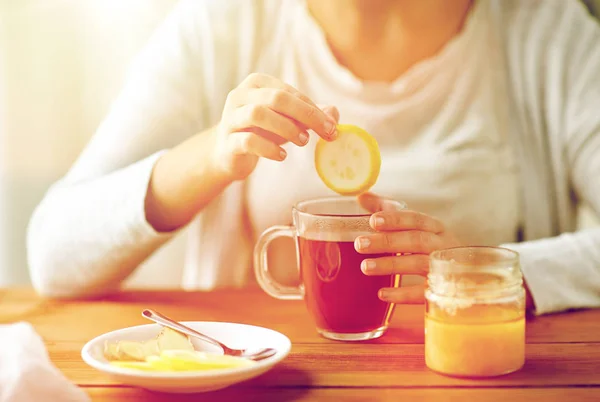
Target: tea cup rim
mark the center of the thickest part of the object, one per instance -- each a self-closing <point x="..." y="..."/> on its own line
<point x="298" y="207"/>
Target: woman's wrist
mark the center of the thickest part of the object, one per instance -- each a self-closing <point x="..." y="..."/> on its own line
<point x="213" y="167"/>
<point x="183" y="181"/>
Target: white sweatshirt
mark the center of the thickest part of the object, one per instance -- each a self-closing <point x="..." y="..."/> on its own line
<point x="498" y="134"/>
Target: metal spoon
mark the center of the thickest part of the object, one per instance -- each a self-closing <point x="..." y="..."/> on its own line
<point x="258" y="354"/>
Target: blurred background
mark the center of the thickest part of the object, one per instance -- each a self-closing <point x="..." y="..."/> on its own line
<point x="61" y="64"/>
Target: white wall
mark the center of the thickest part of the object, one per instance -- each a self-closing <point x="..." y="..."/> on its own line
<point x="3" y="156"/>
<point x="62" y="61"/>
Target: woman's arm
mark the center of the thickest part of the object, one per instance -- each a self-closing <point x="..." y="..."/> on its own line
<point x="90" y="231"/>
<point x="564" y="272"/>
<point x="94" y="228"/>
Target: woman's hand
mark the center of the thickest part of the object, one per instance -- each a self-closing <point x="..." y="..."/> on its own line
<point x="411" y="233"/>
<point x="260" y="115"/>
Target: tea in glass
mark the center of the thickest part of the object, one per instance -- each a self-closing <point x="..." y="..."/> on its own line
<point x="340" y="298"/>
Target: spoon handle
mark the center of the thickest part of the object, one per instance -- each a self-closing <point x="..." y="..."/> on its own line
<point x="167" y="322"/>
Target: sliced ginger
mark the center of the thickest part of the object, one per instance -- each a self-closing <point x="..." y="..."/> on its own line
<point x="169" y="351"/>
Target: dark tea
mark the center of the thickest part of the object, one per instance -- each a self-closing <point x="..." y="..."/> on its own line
<point x="338" y="295"/>
<point x="341" y="299"/>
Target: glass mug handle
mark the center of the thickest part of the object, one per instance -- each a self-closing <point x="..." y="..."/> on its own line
<point x="261" y="266"/>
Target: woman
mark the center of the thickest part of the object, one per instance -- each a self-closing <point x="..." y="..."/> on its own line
<point x="486" y="113"/>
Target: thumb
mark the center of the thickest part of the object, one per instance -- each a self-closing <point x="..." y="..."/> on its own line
<point x="374" y="203"/>
<point x="332" y="112"/>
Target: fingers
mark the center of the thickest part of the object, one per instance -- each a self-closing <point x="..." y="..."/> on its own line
<point x="412" y="264"/>
<point x="253" y="115"/>
<point x="399" y="231"/>
<point x="405" y="220"/>
<point x="269" y="135"/>
<point x="258" y="80"/>
<point x="403" y="295"/>
<point x="291" y="106"/>
<point x="245" y="143"/>
<point x="409" y="241"/>
<point x="264" y="90"/>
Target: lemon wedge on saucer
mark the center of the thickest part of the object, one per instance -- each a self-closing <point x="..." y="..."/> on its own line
<point x="133" y="365"/>
<point x="350" y="164"/>
<point x="185" y="360"/>
<point x="188" y="360"/>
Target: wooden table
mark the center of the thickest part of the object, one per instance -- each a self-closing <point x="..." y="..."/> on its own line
<point x="563" y="351"/>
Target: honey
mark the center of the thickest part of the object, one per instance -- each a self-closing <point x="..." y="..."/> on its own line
<point x="475" y="317"/>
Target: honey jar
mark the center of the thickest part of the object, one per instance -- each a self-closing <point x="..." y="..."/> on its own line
<point x="475" y="312"/>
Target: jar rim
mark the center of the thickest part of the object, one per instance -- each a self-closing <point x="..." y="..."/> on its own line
<point x="474" y="271"/>
<point x="509" y="256"/>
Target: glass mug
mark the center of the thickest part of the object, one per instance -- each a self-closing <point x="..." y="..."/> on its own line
<point x="342" y="301"/>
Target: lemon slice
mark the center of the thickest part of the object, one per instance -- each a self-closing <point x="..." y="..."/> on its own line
<point x="185" y="360"/>
<point x="188" y="360"/>
<point x="133" y="365"/>
<point x="349" y="165"/>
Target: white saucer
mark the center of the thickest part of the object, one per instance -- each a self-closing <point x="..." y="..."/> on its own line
<point x="238" y="336"/>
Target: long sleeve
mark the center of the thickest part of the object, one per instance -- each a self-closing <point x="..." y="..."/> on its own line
<point x="564" y="272"/>
<point x="90" y="230"/>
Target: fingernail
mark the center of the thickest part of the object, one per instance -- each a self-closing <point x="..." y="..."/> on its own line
<point x="282" y="154"/>
<point x="384" y="294"/>
<point x="362" y="242"/>
<point x="303" y="138"/>
<point x="368" y="266"/>
<point x="379" y="221"/>
<point x="330" y="127"/>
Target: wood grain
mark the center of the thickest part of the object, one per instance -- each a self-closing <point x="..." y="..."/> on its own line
<point x="249" y="306"/>
<point x="563" y="351"/>
<point x="349" y="365"/>
<point x="355" y="395"/>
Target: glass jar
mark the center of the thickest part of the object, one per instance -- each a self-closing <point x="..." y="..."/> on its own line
<point x="475" y="312"/>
